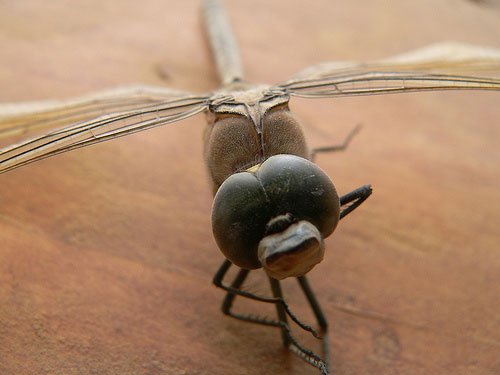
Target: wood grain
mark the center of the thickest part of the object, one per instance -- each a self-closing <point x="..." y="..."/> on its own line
<point x="106" y="253"/>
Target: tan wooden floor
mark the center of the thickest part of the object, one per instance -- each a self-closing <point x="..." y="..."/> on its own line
<point x="106" y="253"/>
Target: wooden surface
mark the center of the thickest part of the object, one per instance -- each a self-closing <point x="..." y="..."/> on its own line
<point x="106" y="253"/>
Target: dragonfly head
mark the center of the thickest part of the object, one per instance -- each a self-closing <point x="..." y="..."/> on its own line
<point x="276" y="215"/>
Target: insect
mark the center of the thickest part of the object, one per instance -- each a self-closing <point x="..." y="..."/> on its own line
<point x="246" y="105"/>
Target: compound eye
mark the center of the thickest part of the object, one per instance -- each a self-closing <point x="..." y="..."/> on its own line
<point x="299" y="187"/>
<point x="248" y="212"/>
<point x="240" y="213"/>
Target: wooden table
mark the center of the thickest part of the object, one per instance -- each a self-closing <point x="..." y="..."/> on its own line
<point x="106" y="253"/>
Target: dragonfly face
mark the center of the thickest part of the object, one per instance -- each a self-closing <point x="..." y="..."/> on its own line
<point x="276" y="216"/>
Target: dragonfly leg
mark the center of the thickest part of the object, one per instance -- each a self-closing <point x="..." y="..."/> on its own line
<point x="282" y="309"/>
<point x="353" y="200"/>
<point x="234" y="289"/>
<point x="340" y="147"/>
<point x="305" y="354"/>
<point x="276" y="289"/>
<point x="320" y="317"/>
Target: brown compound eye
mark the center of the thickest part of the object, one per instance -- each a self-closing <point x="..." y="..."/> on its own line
<point x="283" y="185"/>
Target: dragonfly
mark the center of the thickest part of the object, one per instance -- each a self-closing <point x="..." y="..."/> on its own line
<point x="273" y="206"/>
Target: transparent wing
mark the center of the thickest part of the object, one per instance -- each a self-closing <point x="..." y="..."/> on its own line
<point x="27" y="117"/>
<point x="442" y="66"/>
<point x="128" y="111"/>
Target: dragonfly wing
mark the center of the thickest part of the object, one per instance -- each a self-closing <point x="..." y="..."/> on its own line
<point x="442" y="66"/>
<point x="134" y="114"/>
<point x="26" y="117"/>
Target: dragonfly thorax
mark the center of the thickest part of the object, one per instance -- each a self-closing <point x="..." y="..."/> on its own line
<point x="240" y="135"/>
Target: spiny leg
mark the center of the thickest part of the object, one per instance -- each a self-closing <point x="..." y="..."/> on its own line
<point x="282" y="308"/>
<point x="236" y="284"/>
<point x="340" y="147"/>
<point x="353" y="200"/>
<point x="233" y="290"/>
<point x="320" y="317"/>
<point x="276" y="289"/>
<point x="305" y="354"/>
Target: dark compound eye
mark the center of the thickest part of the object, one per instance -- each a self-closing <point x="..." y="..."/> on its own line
<point x="286" y="193"/>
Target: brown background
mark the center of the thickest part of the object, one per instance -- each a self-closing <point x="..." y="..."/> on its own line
<point x="106" y="253"/>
